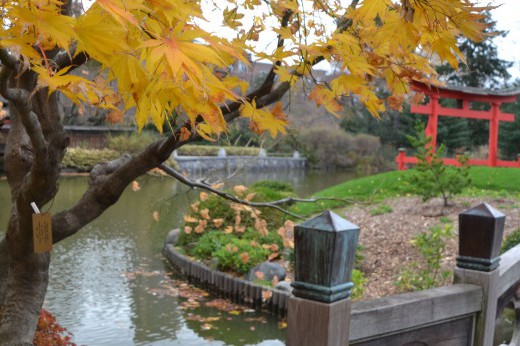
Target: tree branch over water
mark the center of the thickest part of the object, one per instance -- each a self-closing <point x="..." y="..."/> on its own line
<point x="272" y="204"/>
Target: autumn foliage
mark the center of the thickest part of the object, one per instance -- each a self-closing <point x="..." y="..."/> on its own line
<point x="161" y="62"/>
<point x="50" y="333"/>
<point x="164" y="61"/>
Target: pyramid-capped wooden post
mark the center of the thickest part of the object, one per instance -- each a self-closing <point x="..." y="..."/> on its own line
<point x="324" y="249"/>
<point x="319" y="310"/>
<point x="480" y="238"/>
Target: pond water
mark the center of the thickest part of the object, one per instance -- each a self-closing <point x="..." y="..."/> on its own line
<point x="111" y="286"/>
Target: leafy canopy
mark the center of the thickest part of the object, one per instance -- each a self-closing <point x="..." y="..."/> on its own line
<point x="158" y="59"/>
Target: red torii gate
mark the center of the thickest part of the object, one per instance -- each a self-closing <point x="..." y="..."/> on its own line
<point x="464" y="95"/>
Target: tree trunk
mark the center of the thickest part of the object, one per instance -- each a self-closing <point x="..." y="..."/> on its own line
<point x="35" y="147"/>
<point x="27" y="282"/>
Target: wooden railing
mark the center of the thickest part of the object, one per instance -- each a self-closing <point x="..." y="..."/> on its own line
<point x="465" y="313"/>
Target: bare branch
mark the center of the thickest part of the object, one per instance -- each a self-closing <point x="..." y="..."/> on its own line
<point x="107" y="183"/>
<point x="272" y="204"/>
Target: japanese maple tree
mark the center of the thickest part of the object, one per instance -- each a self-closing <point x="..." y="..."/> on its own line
<point x="160" y="62"/>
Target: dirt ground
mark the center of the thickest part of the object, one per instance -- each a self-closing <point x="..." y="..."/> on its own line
<point x="386" y="237"/>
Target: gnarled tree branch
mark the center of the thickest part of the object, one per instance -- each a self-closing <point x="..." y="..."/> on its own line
<point x="272" y="204"/>
<point x="106" y="184"/>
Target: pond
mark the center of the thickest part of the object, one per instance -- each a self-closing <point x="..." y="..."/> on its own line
<point x="111" y="286"/>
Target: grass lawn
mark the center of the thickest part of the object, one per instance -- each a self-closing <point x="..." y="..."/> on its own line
<point x="487" y="181"/>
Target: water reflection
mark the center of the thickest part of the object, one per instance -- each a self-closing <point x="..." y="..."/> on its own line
<point x="91" y="293"/>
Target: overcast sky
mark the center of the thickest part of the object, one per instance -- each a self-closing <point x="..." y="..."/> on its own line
<point x="508" y="19"/>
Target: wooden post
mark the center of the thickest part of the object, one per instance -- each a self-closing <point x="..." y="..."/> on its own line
<point x="319" y="312"/>
<point x="480" y="237"/>
<point x="400" y="159"/>
<point x="493" y="134"/>
<point x="433" y="120"/>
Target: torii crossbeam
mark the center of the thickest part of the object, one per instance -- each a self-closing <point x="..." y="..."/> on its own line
<point x="464" y="95"/>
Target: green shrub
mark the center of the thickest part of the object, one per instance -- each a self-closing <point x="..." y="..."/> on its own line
<point x="511" y="240"/>
<point x="273" y="185"/>
<point x="328" y="147"/>
<point x="240" y="255"/>
<point x="238" y="226"/>
<point x="335" y="148"/>
<point x="84" y="159"/>
<point x="366" y="145"/>
<point x="428" y="273"/>
<point x="359" y="280"/>
<point x="432" y="178"/>
<point x="131" y="143"/>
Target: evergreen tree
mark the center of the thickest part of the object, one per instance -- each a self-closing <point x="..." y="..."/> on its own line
<point x="482" y="69"/>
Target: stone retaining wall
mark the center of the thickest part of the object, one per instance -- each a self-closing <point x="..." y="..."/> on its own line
<point x="198" y="164"/>
<point x="235" y="289"/>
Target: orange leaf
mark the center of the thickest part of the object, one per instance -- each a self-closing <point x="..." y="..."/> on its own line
<point x="203" y="196"/>
<point x="273" y="256"/>
<point x="250" y="196"/>
<point x="187" y="229"/>
<point x="229" y="229"/>
<point x="195" y="206"/>
<point x="217" y="186"/>
<point x="185" y="134"/>
<point x="156" y="216"/>
<point x="239" y="189"/>
<point x="274" y="282"/>
<point x="201" y="226"/>
<point x="135" y="186"/>
<point x="241" y="229"/>
<point x="190" y="219"/>
<point x="259" y="275"/>
<point x="205" y="214"/>
<point x="244" y="256"/>
<point x="218" y="222"/>
<point x="266" y="295"/>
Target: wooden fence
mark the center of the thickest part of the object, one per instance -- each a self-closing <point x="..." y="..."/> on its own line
<point x="462" y="314"/>
<point x="95" y="137"/>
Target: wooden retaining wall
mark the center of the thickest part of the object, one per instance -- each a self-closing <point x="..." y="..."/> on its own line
<point x="235" y="289"/>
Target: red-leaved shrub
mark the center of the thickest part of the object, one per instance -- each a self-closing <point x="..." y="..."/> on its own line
<point x="50" y="333"/>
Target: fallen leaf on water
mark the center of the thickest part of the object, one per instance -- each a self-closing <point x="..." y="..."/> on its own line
<point x="234" y="312"/>
<point x="282" y="324"/>
<point x="207" y="326"/>
<point x="256" y="319"/>
<point x="199" y="318"/>
<point x="135" y="186"/>
<point x="190" y="304"/>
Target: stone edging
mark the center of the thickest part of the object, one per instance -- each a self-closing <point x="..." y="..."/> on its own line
<point x="237" y="290"/>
